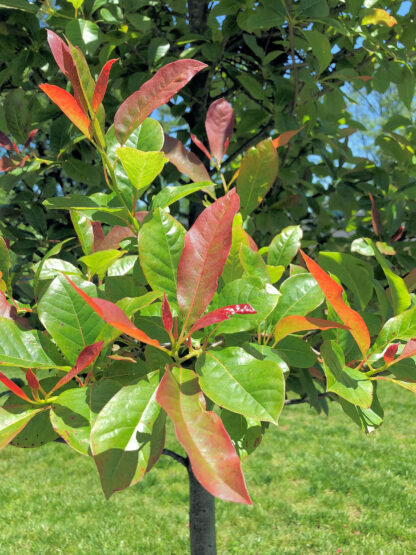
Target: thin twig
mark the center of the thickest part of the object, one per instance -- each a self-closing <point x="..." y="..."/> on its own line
<point x="184" y="461"/>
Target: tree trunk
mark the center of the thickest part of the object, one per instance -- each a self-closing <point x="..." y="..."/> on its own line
<point x="201" y="518"/>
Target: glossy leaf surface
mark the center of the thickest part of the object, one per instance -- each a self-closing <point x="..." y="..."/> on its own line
<point x="101" y="85"/>
<point x="300" y="294"/>
<point x="221" y="314"/>
<point x="201" y="433"/>
<point x="284" y="246"/>
<point x="219" y="125"/>
<point x="69" y="106"/>
<point x="141" y="167"/>
<point x="293" y="324"/>
<point x="184" y="160"/>
<point x="170" y="194"/>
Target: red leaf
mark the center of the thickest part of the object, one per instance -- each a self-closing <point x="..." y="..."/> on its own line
<point x="375" y="217"/>
<point x="86" y="356"/>
<point x="32" y="380"/>
<point x="112" y="240"/>
<point x="397" y="234"/>
<point x="101" y="85"/>
<point x="14" y="388"/>
<point x="390" y="353"/>
<point x="185" y="160"/>
<point x="70" y="107"/>
<point x="157" y="91"/>
<point x="6" y="164"/>
<point x="333" y="293"/>
<point x="207" y="245"/>
<point x="221" y="314"/>
<point x="219" y="125"/>
<point x="114" y="316"/>
<point x="200" y="145"/>
<point x="67" y="65"/>
<point x="30" y="137"/>
<point x="5" y="142"/>
<point x="166" y="314"/>
<point x="285" y="137"/>
<point x="292" y="324"/>
<point x="201" y="433"/>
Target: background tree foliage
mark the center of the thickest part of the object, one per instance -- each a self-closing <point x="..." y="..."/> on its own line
<point x="283" y="66"/>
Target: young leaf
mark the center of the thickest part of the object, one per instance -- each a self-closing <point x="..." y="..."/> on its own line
<point x="166" y="314"/>
<point x="237" y="381"/>
<point x="201" y="433"/>
<point x="219" y="125"/>
<point x="14" y="388"/>
<point x="284" y="246"/>
<point x="221" y="314"/>
<point x="202" y="261"/>
<point x="293" y="324"/>
<point x="141" y="167"/>
<point x="5" y="142"/>
<point x="258" y="171"/>
<point x="285" y="137"/>
<point x="70" y="107"/>
<point x="185" y="160"/>
<point x="333" y="293"/>
<point x="114" y="316"/>
<point x="376" y="16"/>
<point x="390" y="353"/>
<point x="157" y="91"/>
<point x="200" y="145"/>
<point x="409" y="350"/>
<point x="31" y="379"/>
<point x="101" y="85"/>
<point x="172" y="193"/>
<point x="86" y="356"/>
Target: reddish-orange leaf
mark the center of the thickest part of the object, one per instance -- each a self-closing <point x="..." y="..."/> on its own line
<point x="390" y="353"/>
<point x="157" y="91"/>
<point x="221" y="314"/>
<point x="409" y="350"/>
<point x="285" y="137"/>
<point x="113" y="238"/>
<point x="70" y="107"/>
<point x="31" y="379"/>
<point x="200" y="145"/>
<point x="86" y="356"/>
<point x="207" y="245"/>
<point x="101" y="85"/>
<point x="30" y="137"/>
<point x="184" y="160"/>
<point x="166" y="314"/>
<point x="201" y="433"/>
<point x="67" y="65"/>
<point x="14" y="388"/>
<point x="397" y="234"/>
<point x="293" y="324"/>
<point x="333" y="293"/>
<point x="219" y="125"/>
<point x="113" y="315"/>
<point x="375" y="217"/>
<point x="6" y="164"/>
<point x="5" y="142"/>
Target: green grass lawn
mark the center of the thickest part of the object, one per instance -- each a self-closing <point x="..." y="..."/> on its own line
<point x="318" y="486"/>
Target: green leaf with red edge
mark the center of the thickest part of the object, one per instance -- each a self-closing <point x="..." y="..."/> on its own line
<point x="201" y="433"/>
<point x="333" y="293"/>
<point x="114" y="316"/>
<point x="220" y="314"/>
<point x="258" y="171"/>
<point x="202" y="260"/>
<point x="74" y="411"/>
<point x="70" y="107"/>
<point x="293" y="324"/>
<point x="128" y="435"/>
<point x="219" y="126"/>
<point x="13" y="418"/>
<point x="101" y="84"/>
<point x="349" y="383"/>
<point x="184" y="160"/>
<point x="157" y="91"/>
<point x="85" y="358"/>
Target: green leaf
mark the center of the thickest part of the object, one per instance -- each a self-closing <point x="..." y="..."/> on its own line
<point x="99" y="262"/>
<point x="353" y="273"/>
<point x="300" y="294"/>
<point x="157" y="49"/>
<point x="161" y="240"/>
<point x="406" y="87"/>
<point x="37" y="432"/>
<point x="53" y="267"/>
<point x="13" y="418"/>
<point x="253" y="264"/>
<point x="367" y="419"/>
<point x="264" y="352"/>
<point x="314" y="8"/>
<point x="399" y="293"/>
<point x="258" y="171"/>
<point x="4" y="266"/>
<point x="321" y="48"/>
<point x="233" y="268"/>
<point x="237" y="381"/>
<point x="350" y="384"/>
<point x="262" y="297"/>
<point x="402" y="326"/>
<point x="296" y="352"/>
<point x="84" y="230"/>
<point x="75" y="410"/>
<point x="17" y="115"/>
<point x="22" y="5"/>
<point x="170" y="194"/>
<point x="68" y="318"/>
<point x="141" y="167"/>
<point x="27" y="348"/>
<point x="128" y="435"/>
<point x="246" y="435"/>
<point x="284" y="246"/>
<point x="84" y="34"/>
<point x="147" y="137"/>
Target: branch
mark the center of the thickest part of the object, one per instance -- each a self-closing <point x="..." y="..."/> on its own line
<point x="184" y="461"/>
<point x="263" y="130"/>
<point x="198" y="15"/>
